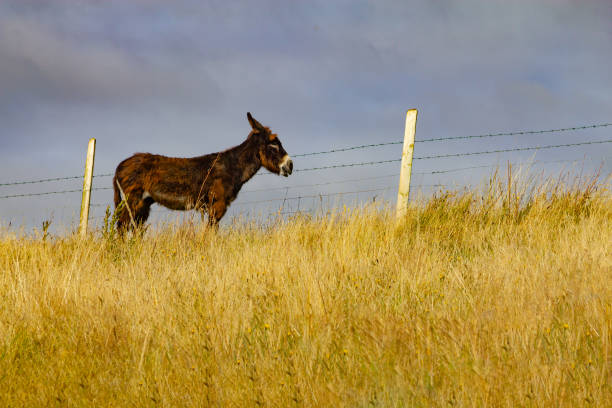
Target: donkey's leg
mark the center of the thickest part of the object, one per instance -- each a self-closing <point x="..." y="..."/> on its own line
<point x="123" y="222"/>
<point x="132" y="194"/>
<point x="215" y="212"/>
<point x="141" y="212"/>
<point x="217" y="202"/>
<point x="125" y="219"/>
<point x="133" y="212"/>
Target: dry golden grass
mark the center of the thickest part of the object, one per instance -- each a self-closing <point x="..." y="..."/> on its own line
<point x="501" y="300"/>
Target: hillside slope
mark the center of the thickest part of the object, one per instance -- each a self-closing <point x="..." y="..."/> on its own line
<point x="494" y="301"/>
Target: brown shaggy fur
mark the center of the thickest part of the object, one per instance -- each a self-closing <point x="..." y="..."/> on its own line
<point x="206" y="183"/>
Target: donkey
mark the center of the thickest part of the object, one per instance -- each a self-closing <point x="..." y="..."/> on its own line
<point x="206" y="183"/>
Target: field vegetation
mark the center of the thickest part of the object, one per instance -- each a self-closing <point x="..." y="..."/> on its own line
<point x="500" y="297"/>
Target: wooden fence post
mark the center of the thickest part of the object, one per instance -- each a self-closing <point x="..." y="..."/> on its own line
<point x="89" y="168"/>
<point x="403" y="191"/>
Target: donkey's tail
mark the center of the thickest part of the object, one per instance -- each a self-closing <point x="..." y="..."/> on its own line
<point x="117" y="197"/>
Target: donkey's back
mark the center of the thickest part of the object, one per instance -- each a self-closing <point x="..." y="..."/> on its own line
<point x="173" y="182"/>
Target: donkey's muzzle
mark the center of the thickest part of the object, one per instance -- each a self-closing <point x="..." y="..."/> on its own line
<point x="286" y="168"/>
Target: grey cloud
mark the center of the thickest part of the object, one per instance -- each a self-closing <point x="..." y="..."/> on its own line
<point x="37" y="62"/>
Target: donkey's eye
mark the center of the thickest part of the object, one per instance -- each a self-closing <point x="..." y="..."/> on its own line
<point x="275" y="147"/>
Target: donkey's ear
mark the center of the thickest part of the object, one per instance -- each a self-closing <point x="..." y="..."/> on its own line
<point x="254" y="124"/>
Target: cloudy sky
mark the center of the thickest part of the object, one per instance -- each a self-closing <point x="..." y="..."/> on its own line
<point x="177" y="78"/>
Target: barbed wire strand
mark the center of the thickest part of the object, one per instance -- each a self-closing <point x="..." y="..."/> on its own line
<point x="336" y="166"/>
<point x="345" y="149"/>
<point x="518" y="149"/>
<point x="522" y="132"/>
<point x="302" y="196"/>
<point x="496" y="165"/>
<point x="319" y="184"/>
<point x="314" y="195"/>
<point x="40" y="181"/>
<point x="47" y="180"/>
<point x="52" y="192"/>
<point x="41" y="194"/>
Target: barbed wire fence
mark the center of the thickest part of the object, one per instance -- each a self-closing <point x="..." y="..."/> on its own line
<point x="308" y="197"/>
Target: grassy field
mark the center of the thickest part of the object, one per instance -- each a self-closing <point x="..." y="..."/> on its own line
<point x="501" y="299"/>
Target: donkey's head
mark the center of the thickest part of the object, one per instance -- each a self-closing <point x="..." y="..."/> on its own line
<point x="271" y="153"/>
